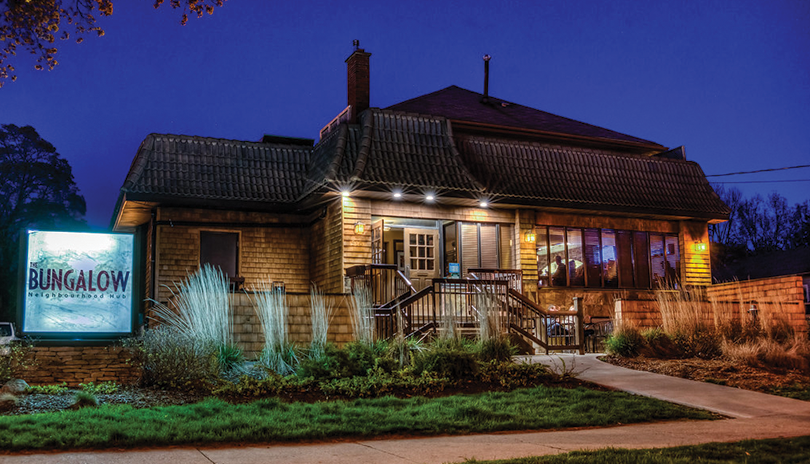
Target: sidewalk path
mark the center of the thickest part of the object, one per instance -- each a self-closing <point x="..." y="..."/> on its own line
<point x="752" y="416"/>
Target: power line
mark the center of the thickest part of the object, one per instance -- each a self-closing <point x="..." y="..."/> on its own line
<point x="760" y="170"/>
<point x="760" y="181"/>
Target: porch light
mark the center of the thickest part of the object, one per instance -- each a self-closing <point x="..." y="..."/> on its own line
<point x="359" y="228"/>
<point x="483" y="204"/>
<point x="430" y="197"/>
<point x="530" y="237"/>
<point x="700" y="246"/>
<point x="345" y="193"/>
<point x="397" y="195"/>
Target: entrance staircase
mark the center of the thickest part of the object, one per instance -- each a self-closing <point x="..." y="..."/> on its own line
<point x="463" y="304"/>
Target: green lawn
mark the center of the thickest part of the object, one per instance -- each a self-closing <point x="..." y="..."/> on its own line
<point x="784" y="450"/>
<point x="270" y="420"/>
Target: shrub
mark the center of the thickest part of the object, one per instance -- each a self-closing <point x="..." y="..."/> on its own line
<point x="657" y="344"/>
<point x="626" y="341"/>
<point x="365" y="356"/>
<point x="450" y="358"/>
<point x="84" y="399"/>
<point x="403" y="349"/>
<point x="332" y="362"/>
<point x="230" y="357"/>
<point x="271" y="385"/>
<point x="380" y="383"/>
<point x="19" y="357"/>
<point x="705" y="344"/>
<point x="498" y="348"/>
<point x="48" y="389"/>
<point x="513" y="375"/>
<point x="770" y="354"/>
<point x="104" y="388"/>
<point x="168" y="358"/>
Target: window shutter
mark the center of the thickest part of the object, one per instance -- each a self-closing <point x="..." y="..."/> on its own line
<point x="469" y="247"/>
<point x="489" y="246"/>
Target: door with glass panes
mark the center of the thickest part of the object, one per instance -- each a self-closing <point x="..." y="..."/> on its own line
<point x="421" y="251"/>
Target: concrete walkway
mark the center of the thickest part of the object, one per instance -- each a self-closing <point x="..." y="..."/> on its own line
<point x="751" y="416"/>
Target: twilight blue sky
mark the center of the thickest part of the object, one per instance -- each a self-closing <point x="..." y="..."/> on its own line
<point x="730" y="80"/>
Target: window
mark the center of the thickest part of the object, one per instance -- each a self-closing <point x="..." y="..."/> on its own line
<point x="593" y="257"/>
<point x="480" y="245"/>
<point x="605" y="258"/>
<point x="220" y="249"/>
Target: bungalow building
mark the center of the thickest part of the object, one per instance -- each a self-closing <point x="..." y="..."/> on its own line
<point x="449" y="184"/>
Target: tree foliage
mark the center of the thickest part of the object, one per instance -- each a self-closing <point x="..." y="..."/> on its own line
<point x="37" y="189"/>
<point x="761" y="225"/>
<point x="35" y="25"/>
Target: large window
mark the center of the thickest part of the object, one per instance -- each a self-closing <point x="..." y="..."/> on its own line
<point x="606" y="258"/>
<point x="220" y="249"/>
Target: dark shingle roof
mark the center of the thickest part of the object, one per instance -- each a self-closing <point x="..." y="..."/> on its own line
<point x="393" y="149"/>
<point x="410" y="151"/>
<point x="553" y="175"/>
<point x="459" y="104"/>
<point x="182" y="166"/>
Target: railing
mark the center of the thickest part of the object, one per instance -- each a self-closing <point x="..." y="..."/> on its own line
<point x="513" y="276"/>
<point x="384" y="281"/>
<point x="551" y="330"/>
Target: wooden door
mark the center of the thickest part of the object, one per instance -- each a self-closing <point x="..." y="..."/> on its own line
<point x="377" y="250"/>
<point x="421" y="256"/>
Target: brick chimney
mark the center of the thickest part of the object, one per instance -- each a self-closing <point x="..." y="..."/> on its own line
<point x="357" y="66"/>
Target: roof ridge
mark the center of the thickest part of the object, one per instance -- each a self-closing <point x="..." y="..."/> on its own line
<point x="365" y="144"/>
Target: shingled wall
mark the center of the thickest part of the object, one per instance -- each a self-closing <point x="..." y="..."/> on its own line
<point x="276" y="252"/>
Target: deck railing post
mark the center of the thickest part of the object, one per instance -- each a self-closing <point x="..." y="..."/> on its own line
<point x="578" y="306"/>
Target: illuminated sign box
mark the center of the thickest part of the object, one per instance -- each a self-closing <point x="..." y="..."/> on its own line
<point x="78" y="285"/>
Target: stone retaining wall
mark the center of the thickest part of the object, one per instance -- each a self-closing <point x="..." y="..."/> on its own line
<point x="79" y="364"/>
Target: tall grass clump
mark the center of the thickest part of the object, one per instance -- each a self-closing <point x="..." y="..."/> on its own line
<point x="447" y="319"/>
<point x="626" y="341"/>
<point x="682" y="318"/>
<point x="202" y="307"/>
<point x="321" y="313"/>
<point x="201" y="312"/>
<point x="492" y="344"/>
<point x="361" y="313"/>
<point x="271" y="306"/>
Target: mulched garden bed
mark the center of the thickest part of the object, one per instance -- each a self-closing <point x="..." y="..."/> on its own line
<point x="146" y="397"/>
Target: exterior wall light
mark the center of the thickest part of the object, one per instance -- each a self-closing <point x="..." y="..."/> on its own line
<point x="397" y="195"/>
<point x="345" y="193"/>
<point x="530" y="237"/>
<point x="359" y="228"/>
<point x="700" y="246"/>
<point x="430" y="197"/>
<point x="483" y="204"/>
